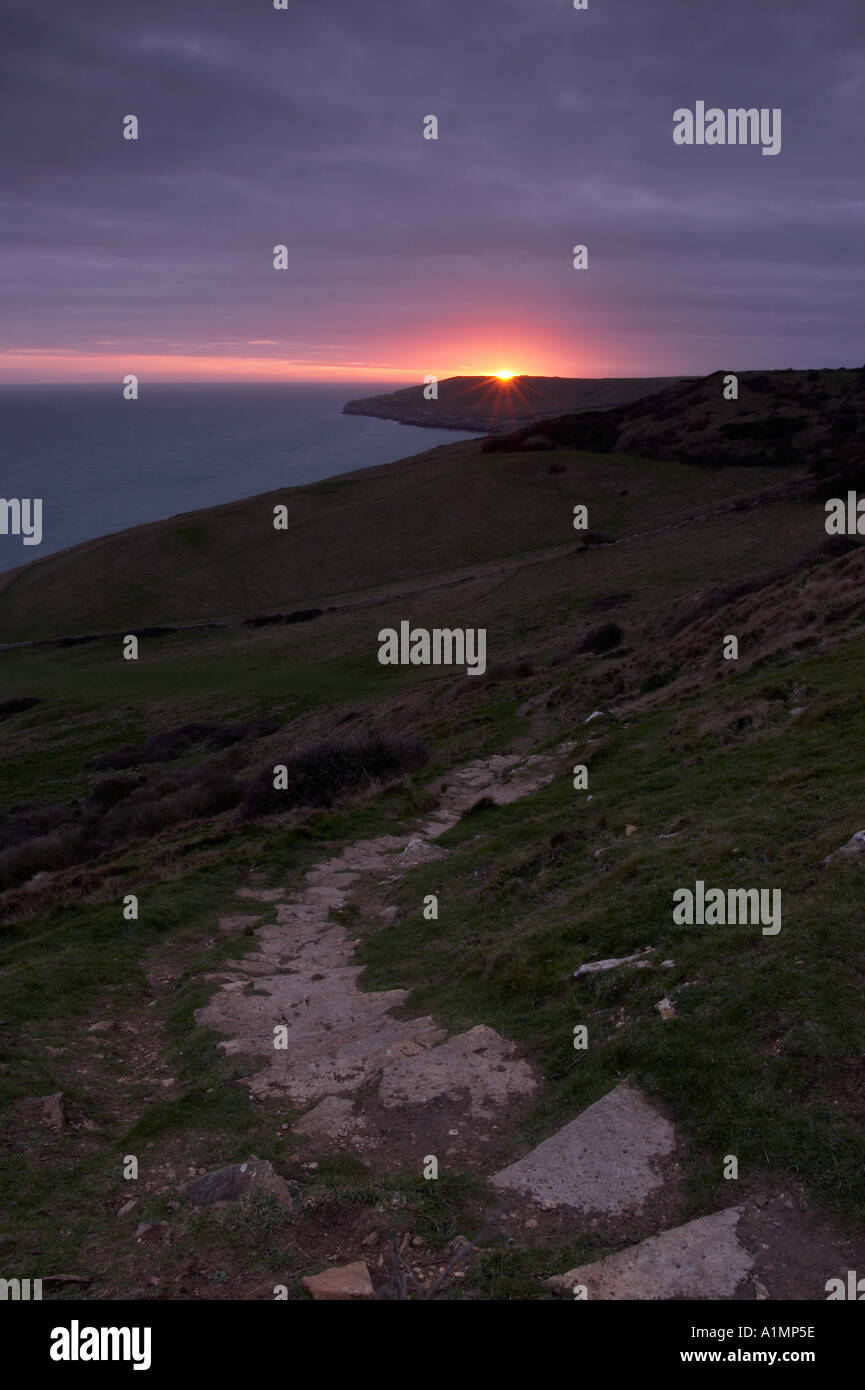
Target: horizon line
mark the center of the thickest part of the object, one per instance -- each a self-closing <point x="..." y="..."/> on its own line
<point x="343" y="381"/>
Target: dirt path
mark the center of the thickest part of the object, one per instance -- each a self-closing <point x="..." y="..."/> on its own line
<point x="392" y="1090"/>
<point x="368" y="1081"/>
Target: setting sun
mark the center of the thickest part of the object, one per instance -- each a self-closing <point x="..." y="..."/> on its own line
<point x="504" y="376"/>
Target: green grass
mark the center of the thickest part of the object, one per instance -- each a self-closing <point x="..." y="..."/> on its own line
<point x="94" y="700"/>
<point x="524" y="901"/>
<point x="381" y="526"/>
<point x="761" y="1058"/>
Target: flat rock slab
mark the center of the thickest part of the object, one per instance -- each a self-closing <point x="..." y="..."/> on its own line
<point x="602" y="1162"/>
<point x="333" y="1118"/>
<point x="703" y="1259"/>
<point x="479" y="1062"/>
<point x="233" y="1183"/>
<point x="345" y="1282"/>
<point x="314" y="1037"/>
<point x="504" y="778"/>
<point x="338" y="1038"/>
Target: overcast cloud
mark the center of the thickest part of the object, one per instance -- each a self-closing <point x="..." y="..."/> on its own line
<point x="304" y="127"/>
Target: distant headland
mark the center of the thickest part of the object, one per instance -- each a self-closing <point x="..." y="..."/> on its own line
<point x="491" y="405"/>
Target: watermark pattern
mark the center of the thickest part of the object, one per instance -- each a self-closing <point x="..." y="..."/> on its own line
<point x="852" y="1289"/>
<point x="718" y="907"/>
<point x="845" y="517"/>
<point x="441" y="646"/>
<point x="735" y="126"/>
<point x="77" y="1343"/>
<point x="20" y="1290"/>
<point x="22" y="516"/>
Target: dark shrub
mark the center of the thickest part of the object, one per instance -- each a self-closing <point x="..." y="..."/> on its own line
<point x="107" y="794"/>
<point x="46" y="853"/>
<point x="228" y="734"/>
<point x="173" y="743"/>
<point x="29" y="820"/>
<point x="164" y="747"/>
<point x="303" y="615"/>
<point x="207" y="797"/>
<point x="34" y="837"/>
<point x="319" y="773"/>
<point x="588" y="538"/>
<point x="300" y="615"/>
<point x="597" y="640"/>
<point x="17" y="703"/>
<point x="185" y="794"/>
<point x="601" y="639"/>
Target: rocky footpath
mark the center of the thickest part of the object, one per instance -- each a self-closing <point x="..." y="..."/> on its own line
<point x="353" y="1077"/>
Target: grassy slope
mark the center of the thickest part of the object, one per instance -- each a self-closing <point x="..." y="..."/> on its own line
<point x="761" y="1061"/>
<point x="396" y="523"/>
<point x="764" y="1058"/>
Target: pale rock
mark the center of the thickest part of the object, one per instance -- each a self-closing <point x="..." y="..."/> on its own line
<point x="603" y="1162"/>
<point x="703" y="1259"/>
<point x="343" y="1283"/>
<point x="232" y="1183"/>
<point x="594" y="966"/>
<point x="854" y="846"/>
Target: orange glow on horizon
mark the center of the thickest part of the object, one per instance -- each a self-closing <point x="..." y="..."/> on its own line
<point x="410" y="363"/>
<point x="61" y="367"/>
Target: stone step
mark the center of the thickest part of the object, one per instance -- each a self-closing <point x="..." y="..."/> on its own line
<point x="603" y="1162"/>
<point x="703" y="1259"/>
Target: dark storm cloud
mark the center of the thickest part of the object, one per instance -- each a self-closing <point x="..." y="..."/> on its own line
<point x="303" y="127"/>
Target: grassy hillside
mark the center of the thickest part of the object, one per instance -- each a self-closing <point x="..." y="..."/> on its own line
<point x="744" y="772"/>
<point x="399" y="525"/>
<point x="804" y="419"/>
<point x="487" y="404"/>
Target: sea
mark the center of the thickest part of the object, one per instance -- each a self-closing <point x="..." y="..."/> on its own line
<point x="101" y="463"/>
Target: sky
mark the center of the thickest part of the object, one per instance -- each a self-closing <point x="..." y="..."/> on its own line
<point x="410" y="257"/>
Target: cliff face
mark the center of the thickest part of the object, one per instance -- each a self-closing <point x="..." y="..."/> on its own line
<point x="488" y="405"/>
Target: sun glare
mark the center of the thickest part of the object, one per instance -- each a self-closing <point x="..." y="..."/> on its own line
<point x="504" y="376"/>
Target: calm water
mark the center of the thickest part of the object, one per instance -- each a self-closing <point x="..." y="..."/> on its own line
<point x="100" y="463"/>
